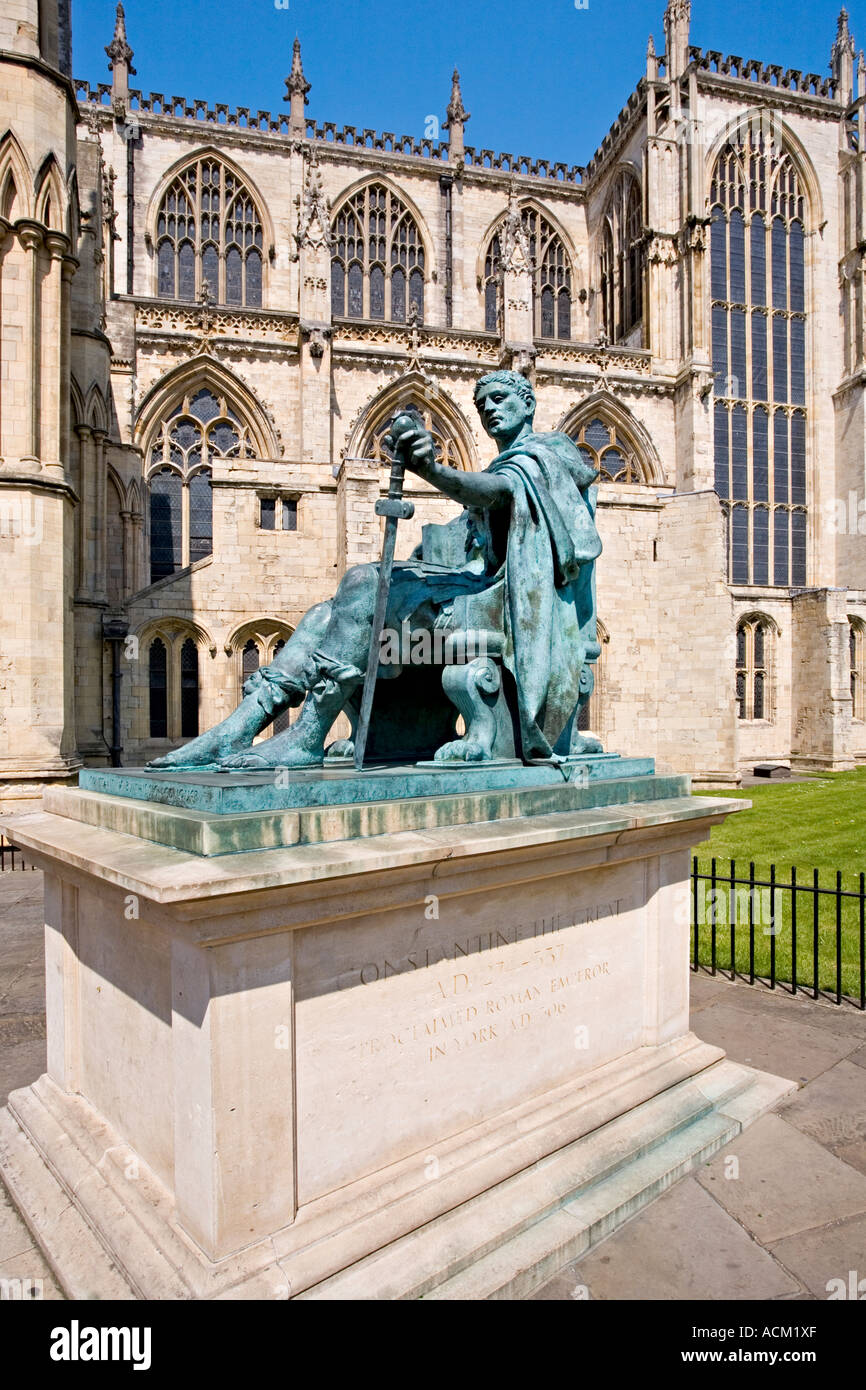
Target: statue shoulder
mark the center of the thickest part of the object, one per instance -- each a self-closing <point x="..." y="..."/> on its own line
<point x="566" y="451"/>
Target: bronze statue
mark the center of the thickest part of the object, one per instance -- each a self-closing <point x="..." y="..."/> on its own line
<point x="513" y="575"/>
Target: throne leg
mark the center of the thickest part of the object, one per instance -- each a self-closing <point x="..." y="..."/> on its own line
<point x="474" y="688"/>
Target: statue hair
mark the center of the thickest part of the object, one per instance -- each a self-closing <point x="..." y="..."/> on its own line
<point x="515" y="380"/>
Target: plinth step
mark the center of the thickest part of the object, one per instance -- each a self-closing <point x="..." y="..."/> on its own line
<point x="509" y="1241"/>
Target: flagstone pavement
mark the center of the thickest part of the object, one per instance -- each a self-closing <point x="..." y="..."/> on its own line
<point x="782" y="1221"/>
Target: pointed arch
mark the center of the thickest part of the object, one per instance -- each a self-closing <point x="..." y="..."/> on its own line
<point x="96" y="410"/>
<point x="619" y="253"/>
<point x="16" y="180"/>
<point x="626" y="435"/>
<point x="207" y="223"/>
<point x="266" y="631"/>
<point x="174" y="631"/>
<point x="78" y="411"/>
<point x="759" y="121"/>
<point x="381" y="254"/>
<point x="496" y="223"/>
<point x="443" y="417"/>
<point x="554" y="262"/>
<point x="205" y="372"/>
<point x="51" y="196"/>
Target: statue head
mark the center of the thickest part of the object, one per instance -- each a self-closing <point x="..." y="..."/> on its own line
<point x="506" y="403"/>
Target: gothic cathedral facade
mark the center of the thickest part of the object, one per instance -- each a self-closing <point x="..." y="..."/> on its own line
<point x="209" y="315"/>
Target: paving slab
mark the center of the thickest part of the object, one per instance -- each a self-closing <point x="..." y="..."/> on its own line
<point x="832" y="1108"/>
<point x="29" y="1267"/>
<point x="844" y="1019"/>
<point x="859" y="1056"/>
<point x="786" y="1183"/>
<point x="15" y="1239"/>
<point x="795" y="1049"/>
<point x="831" y="1252"/>
<point x="21" y="1064"/>
<point x="684" y="1246"/>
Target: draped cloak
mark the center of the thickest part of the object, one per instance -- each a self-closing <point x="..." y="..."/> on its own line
<point x="541" y="546"/>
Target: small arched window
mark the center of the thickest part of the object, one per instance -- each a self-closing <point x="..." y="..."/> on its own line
<point x="857" y="658"/>
<point x="255" y="645"/>
<point x="377" y="267"/>
<point x="621" y="259"/>
<point x="606" y="449"/>
<point x="174" y="685"/>
<point x="158" y="686"/>
<point x="551" y="279"/>
<point x="200" y="431"/>
<point x="754" y="692"/>
<point x="209" y="232"/>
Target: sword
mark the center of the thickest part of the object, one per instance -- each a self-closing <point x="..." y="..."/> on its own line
<point x="393" y="509"/>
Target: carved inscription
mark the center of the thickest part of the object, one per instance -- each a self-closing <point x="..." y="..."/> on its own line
<point x="491" y="986"/>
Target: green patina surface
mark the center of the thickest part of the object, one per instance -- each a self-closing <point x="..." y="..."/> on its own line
<point x="223" y="794"/>
<point x="220" y="829"/>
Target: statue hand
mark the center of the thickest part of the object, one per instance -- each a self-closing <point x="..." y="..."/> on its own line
<point x="412" y="443"/>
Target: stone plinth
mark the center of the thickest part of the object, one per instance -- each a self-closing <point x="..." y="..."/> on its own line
<point x="436" y="1062"/>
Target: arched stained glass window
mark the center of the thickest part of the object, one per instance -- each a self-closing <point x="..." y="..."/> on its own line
<point x="158" y="683"/>
<point x="448" y="448"/>
<point x="551" y="279"/>
<point x="377" y="267"/>
<point x="622" y="259"/>
<point x="758" y="327"/>
<point x="607" y="450"/>
<point x="251" y="660"/>
<point x="753" y="690"/>
<point x="199" y="431"/>
<point x="209" y="232"/>
<point x="857" y="656"/>
<point x="173" y="682"/>
<point x="189" y="689"/>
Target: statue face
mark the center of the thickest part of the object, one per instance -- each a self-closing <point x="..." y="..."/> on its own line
<point x="503" y="411"/>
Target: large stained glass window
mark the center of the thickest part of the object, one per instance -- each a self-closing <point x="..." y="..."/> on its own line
<point x="622" y="259"/>
<point x="197" y="432"/>
<point x="377" y="268"/>
<point x="551" y="279"/>
<point x="607" y="450"/>
<point x="209" y="232"/>
<point x="758" y="325"/>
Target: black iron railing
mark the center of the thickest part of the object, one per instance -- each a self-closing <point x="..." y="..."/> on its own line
<point x="11" y="858"/>
<point x="803" y="935"/>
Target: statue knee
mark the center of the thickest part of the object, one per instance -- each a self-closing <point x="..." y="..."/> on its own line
<point x="357" y="589"/>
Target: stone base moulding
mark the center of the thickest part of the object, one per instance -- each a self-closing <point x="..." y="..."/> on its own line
<point x="433" y="1063"/>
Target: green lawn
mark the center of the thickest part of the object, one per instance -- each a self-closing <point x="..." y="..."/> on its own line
<point x="819" y="824"/>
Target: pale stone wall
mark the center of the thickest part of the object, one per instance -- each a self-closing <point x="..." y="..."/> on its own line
<point x="115" y="360"/>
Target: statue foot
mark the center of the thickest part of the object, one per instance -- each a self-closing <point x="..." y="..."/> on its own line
<point x="585" y="743"/>
<point x="464" y="750"/>
<point x="286" y="750"/>
<point x="343" y="748"/>
<point x="206" y="751"/>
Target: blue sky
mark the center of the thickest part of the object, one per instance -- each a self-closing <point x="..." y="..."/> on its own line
<point x="540" y="77"/>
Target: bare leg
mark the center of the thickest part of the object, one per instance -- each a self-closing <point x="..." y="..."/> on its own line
<point x="263" y="699"/>
<point x="340" y="660"/>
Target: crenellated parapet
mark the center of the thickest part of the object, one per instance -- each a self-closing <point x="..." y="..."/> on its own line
<point x="242" y="118"/>
<point x="763" y="74"/>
